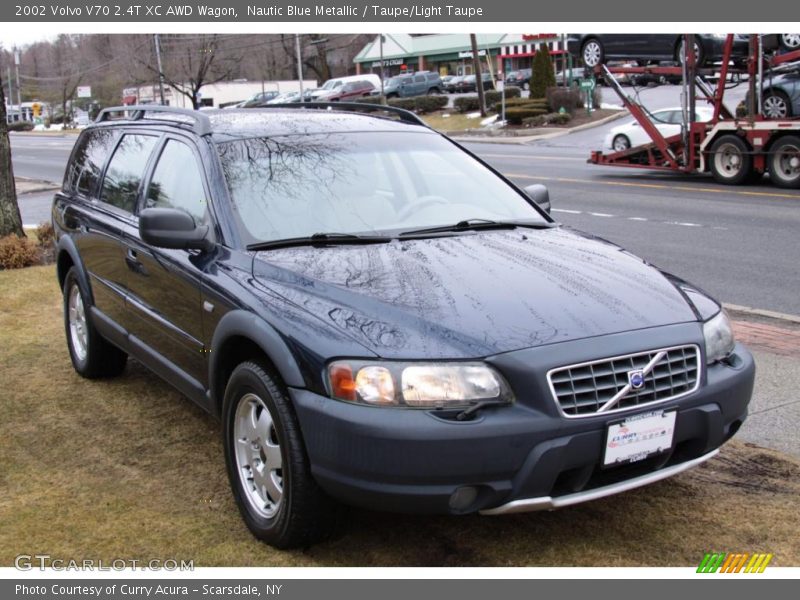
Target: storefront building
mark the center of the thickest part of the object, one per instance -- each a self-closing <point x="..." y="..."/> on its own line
<point x="451" y="54"/>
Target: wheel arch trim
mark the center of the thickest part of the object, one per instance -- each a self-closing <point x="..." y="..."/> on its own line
<point x="244" y="324"/>
<point x="66" y="246"/>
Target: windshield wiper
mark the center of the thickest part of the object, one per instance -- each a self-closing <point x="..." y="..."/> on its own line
<point x="479" y="224"/>
<point x="320" y="239"/>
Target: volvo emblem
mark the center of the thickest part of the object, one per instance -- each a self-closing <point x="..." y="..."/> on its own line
<point x="636" y="379"/>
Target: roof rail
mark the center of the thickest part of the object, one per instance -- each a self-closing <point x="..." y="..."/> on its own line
<point x="201" y="122"/>
<point x="405" y="115"/>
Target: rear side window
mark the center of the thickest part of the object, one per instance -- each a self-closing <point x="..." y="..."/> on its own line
<point x="419" y="79"/>
<point x="178" y="182"/>
<point x="125" y="171"/>
<point x="87" y="163"/>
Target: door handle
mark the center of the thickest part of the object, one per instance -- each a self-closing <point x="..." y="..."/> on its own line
<point x="132" y="260"/>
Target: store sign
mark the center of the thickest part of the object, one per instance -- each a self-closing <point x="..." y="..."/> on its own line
<point x="389" y="62"/>
<point x="468" y="54"/>
<point x="84" y="91"/>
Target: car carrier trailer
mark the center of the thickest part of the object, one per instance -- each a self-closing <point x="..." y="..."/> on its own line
<point x="735" y="150"/>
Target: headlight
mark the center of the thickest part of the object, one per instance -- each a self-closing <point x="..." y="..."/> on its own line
<point x="417" y="385"/>
<point x="719" y="337"/>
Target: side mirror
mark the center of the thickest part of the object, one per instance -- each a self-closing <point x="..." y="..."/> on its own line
<point x="539" y="194"/>
<point x="172" y="228"/>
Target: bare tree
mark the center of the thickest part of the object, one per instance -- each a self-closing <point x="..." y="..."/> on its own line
<point x="10" y="221"/>
<point x="67" y="75"/>
<point x="190" y="62"/>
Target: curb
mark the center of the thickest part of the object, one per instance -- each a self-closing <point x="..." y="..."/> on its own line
<point x="522" y="140"/>
<point x="760" y="312"/>
<point x="44" y="133"/>
<point x="26" y="185"/>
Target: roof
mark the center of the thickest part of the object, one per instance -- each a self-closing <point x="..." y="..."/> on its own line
<point x="399" y="45"/>
<point x="315" y="118"/>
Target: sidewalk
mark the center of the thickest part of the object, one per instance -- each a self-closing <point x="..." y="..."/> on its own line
<point x="775" y="408"/>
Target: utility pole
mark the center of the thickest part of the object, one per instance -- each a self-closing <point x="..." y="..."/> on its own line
<point x="383" y="100"/>
<point x="299" y="65"/>
<point x="157" y="39"/>
<point x="476" y="66"/>
<point x="10" y="88"/>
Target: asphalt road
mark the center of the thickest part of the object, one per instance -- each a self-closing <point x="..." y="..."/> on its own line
<point x="738" y="243"/>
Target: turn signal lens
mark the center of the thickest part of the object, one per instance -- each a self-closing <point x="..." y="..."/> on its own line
<point x="343" y="386"/>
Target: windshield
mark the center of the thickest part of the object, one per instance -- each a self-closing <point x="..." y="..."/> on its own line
<point x="331" y="84"/>
<point x="374" y="183"/>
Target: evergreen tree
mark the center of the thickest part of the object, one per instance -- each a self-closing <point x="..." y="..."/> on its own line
<point x="542" y="76"/>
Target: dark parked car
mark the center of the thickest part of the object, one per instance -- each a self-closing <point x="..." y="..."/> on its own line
<point x="259" y="99"/>
<point x="452" y="84"/>
<point x="468" y="83"/>
<point x="520" y="78"/>
<point x="378" y="317"/>
<point x="595" y="48"/>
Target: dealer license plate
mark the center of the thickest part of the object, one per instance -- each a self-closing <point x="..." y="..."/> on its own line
<point x="638" y="437"/>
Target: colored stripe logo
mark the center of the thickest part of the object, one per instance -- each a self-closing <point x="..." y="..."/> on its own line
<point x="721" y="562"/>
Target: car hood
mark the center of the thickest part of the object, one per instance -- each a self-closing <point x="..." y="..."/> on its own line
<point x="474" y="294"/>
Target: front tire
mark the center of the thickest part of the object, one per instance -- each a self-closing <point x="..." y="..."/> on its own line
<point x="784" y="162"/>
<point x="92" y="355"/>
<point x="268" y="468"/>
<point x="592" y="53"/>
<point x="731" y="162"/>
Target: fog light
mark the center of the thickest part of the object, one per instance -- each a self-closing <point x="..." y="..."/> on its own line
<point x="463" y="497"/>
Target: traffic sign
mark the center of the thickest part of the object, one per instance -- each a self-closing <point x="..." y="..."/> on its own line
<point x="588" y="84"/>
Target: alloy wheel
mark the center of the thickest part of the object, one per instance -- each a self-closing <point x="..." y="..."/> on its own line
<point x="258" y="456"/>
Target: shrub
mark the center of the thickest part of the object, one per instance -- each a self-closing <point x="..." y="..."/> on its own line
<point x="405" y="103"/>
<point x="425" y="104"/>
<point x="548" y="119"/>
<point x="46" y="237"/>
<point x="20" y="126"/>
<point x="542" y="76"/>
<point x="520" y="102"/>
<point x="493" y="97"/>
<point x="18" y="252"/>
<point x="369" y="100"/>
<point x="515" y="115"/>
<point x="569" y="98"/>
<point x="466" y="104"/>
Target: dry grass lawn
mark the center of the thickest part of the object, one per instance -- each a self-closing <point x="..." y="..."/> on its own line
<point x="130" y="469"/>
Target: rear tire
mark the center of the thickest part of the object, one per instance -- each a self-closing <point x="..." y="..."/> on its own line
<point x="621" y="142"/>
<point x="268" y="467"/>
<point x="784" y="162"/>
<point x="776" y="105"/>
<point x="730" y="160"/>
<point x="92" y="355"/>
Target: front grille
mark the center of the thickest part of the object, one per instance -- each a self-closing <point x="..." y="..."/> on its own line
<point x="580" y="390"/>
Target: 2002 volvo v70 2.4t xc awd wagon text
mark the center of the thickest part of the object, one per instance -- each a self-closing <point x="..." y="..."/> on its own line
<point x="380" y="318"/>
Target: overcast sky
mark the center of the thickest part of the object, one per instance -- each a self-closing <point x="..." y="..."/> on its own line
<point x="10" y="38"/>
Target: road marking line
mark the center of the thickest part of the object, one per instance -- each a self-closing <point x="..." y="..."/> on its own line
<point x="565" y="210"/>
<point x="652" y="186"/>
<point x="533" y="156"/>
<point x="637" y="219"/>
<point x="594" y="214"/>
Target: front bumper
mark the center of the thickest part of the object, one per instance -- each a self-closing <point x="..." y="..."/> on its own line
<point x="520" y="457"/>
